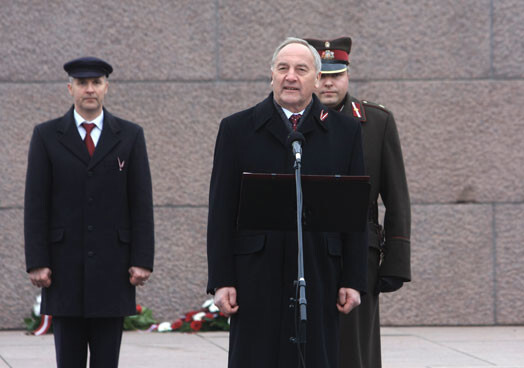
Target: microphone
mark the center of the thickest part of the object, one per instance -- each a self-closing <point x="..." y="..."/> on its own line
<point x="296" y="139"/>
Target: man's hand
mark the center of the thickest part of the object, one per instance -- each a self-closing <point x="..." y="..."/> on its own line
<point x="40" y="277"/>
<point x="226" y="300"/>
<point x="347" y="299"/>
<point x="138" y="276"/>
<point x="388" y="284"/>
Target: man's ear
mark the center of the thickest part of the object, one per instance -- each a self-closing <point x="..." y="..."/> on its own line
<point x="317" y="80"/>
<point x="70" y="88"/>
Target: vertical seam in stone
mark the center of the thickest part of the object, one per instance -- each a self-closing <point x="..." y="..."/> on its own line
<point x="217" y="39"/>
<point x="494" y="252"/>
<point x="491" y="71"/>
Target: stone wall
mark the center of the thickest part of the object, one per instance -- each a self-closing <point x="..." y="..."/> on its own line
<point x="451" y="71"/>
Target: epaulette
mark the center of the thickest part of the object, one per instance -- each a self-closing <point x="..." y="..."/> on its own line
<point x="375" y="105"/>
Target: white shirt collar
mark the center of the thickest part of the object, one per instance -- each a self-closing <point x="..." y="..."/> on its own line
<point x="289" y="113"/>
<point x="98" y="121"/>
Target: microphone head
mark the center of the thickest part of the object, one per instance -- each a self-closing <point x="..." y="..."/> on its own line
<point x="295" y="137"/>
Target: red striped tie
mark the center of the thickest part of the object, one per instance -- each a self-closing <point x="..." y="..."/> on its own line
<point x="89" y="141"/>
<point x="294" y="120"/>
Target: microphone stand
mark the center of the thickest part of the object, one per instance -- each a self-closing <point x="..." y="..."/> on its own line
<point x="300" y="283"/>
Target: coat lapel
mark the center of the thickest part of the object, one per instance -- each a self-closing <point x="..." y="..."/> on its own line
<point x="267" y="116"/>
<point x="68" y="135"/>
<point x="317" y="116"/>
<point x="277" y="128"/>
<point x="108" y="139"/>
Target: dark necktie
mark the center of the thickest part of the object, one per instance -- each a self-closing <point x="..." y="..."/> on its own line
<point x="294" y="120"/>
<point x="89" y="141"/>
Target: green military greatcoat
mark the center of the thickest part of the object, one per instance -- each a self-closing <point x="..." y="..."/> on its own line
<point x="360" y="330"/>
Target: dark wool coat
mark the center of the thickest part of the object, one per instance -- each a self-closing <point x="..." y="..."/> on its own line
<point x="88" y="219"/>
<point x="360" y="330"/>
<point x="263" y="264"/>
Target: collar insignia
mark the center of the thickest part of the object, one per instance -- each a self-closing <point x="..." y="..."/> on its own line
<point x="356" y="110"/>
<point x="323" y="115"/>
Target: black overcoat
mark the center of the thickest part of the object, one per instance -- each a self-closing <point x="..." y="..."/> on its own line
<point x="88" y="218"/>
<point x="263" y="264"/>
<point x="360" y="330"/>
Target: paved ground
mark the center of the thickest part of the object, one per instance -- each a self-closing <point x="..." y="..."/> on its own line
<point x="406" y="347"/>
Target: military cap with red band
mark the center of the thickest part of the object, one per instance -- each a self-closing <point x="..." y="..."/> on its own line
<point x="334" y="53"/>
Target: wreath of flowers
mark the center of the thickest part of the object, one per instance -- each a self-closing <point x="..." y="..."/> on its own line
<point x="207" y="318"/>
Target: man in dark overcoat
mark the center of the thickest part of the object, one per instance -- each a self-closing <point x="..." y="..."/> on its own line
<point x="88" y="220"/>
<point x="252" y="272"/>
<point x="389" y="256"/>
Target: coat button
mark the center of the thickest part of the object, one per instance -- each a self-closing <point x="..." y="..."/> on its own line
<point x="90" y="200"/>
<point x="90" y="253"/>
<point x="90" y="228"/>
<point x="89" y="173"/>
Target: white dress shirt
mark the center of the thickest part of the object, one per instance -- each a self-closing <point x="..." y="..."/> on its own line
<point x="97" y="130"/>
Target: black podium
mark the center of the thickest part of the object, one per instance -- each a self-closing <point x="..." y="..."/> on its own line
<point x="331" y="203"/>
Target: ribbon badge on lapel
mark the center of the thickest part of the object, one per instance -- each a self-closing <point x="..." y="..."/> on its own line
<point x="323" y="115"/>
<point x="120" y="164"/>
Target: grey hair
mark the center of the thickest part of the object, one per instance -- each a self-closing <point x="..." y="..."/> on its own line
<point x="290" y="40"/>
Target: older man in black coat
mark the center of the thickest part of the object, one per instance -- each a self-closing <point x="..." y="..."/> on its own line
<point x="252" y="272"/>
<point x="88" y="220"/>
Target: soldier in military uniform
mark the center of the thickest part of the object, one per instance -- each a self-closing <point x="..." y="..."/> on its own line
<point x="389" y="247"/>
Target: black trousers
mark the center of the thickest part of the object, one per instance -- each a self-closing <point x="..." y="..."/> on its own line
<point x="73" y="335"/>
